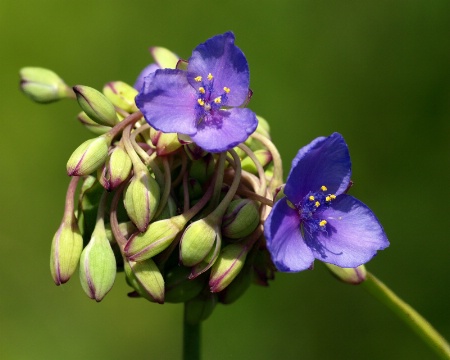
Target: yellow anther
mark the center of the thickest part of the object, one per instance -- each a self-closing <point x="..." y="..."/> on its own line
<point x="311" y="198"/>
<point x="317" y="204"/>
<point x="323" y="223"/>
<point x="227" y="90"/>
<point x="323" y="188"/>
<point x="328" y="198"/>
<point x="218" y="100"/>
<point x="332" y="196"/>
<point x="198" y="78"/>
<point x="210" y="77"/>
<point x="201" y="90"/>
<point x="201" y="102"/>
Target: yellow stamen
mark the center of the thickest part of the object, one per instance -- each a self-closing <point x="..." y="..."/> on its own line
<point x="332" y="196"/>
<point x="201" y="90"/>
<point x="323" y="188"/>
<point x="210" y="77"/>
<point x="323" y="223"/>
<point x="227" y="90"/>
<point x="201" y="102"/>
<point x="218" y="100"/>
<point x="317" y="204"/>
<point x="328" y="198"/>
<point x="198" y="78"/>
<point x="311" y="198"/>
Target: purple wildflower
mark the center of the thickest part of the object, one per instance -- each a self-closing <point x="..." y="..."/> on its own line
<point x="316" y="219"/>
<point x="202" y="102"/>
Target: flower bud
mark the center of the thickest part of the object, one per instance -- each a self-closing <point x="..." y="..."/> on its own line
<point x="165" y="143"/>
<point x="263" y="127"/>
<point x="352" y="276"/>
<point x="165" y="58"/>
<point x="121" y="95"/>
<point x="197" y="241"/>
<point x="158" y="236"/>
<point x="126" y="229"/>
<point x="202" y="169"/>
<point x="89" y="197"/>
<point x="116" y="169"/>
<point x="96" y="105"/>
<point x="240" y="219"/>
<point x="146" y="279"/>
<point x="97" y="266"/>
<point x="200" y="308"/>
<point x="238" y="286"/>
<point x="88" y="157"/>
<point x="194" y="188"/>
<point x="43" y="85"/>
<point x="141" y="199"/>
<point x="65" y="251"/>
<point x="91" y="125"/>
<point x="227" y="266"/>
<point x="170" y="210"/>
<point x="178" y="286"/>
<point x="264" y="157"/>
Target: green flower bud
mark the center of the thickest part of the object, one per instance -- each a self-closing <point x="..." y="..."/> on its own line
<point x="126" y="228"/>
<point x="121" y="95"/>
<point x="146" y="279"/>
<point x="352" y="276"/>
<point x="90" y="194"/>
<point x="165" y="143"/>
<point x="264" y="157"/>
<point x="170" y="210"/>
<point x="65" y="251"/>
<point x="238" y="286"/>
<point x="97" y="266"/>
<point x="202" y="169"/>
<point x="178" y="286"/>
<point x="116" y="169"/>
<point x="227" y="266"/>
<point x="88" y="157"/>
<point x="194" y="188"/>
<point x="96" y="105"/>
<point x="165" y="58"/>
<point x="91" y="125"/>
<point x="197" y="241"/>
<point x="263" y="127"/>
<point x="158" y="236"/>
<point x="141" y="199"/>
<point x="200" y="308"/>
<point x="43" y="85"/>
<point x="240" y="219"/>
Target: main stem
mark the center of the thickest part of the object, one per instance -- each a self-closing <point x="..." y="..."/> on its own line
<point x="191" y="338"/>
<point x="410" y="316"/>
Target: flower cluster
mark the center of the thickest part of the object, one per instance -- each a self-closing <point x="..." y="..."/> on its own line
<point x="179" y="183"/>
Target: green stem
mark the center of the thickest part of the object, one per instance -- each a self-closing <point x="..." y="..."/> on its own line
<point x="191" y="338"/>
<point x="410" y="316"/>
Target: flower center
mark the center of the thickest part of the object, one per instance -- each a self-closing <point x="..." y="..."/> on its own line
<point x="310" y="209"/>
<point x="206" y="102"/>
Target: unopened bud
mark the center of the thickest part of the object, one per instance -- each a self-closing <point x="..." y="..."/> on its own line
<point x="43" y="85"/>
<point x="197" y="241"/>
<point x="263" y="127"/>
<point x="264" y="157"/>
<point x="116" y="170"/>
<point x="126" y="229"/>
<point x="165" y="58"/>
<point x="240" y="219"/>
<point x="141" y="199"/>
<point x="238" y="286"/>
<point x="91" y="125"/>
<point x="227" y="266"/>
<point x="202" y="169"/>
<point x="352" y="276"/>
<point x="88" y="157"/>
<point x="200" y="308"/>
<point x="170" y="210"/>
<point x="178" y="286"/>
<point x="121" y="95"/>
<point x="146" y="279"/>
<point x="96" y="105"/>
<point x="158" y="236"/>
<point x="65" y="252"/>
<point x="194" y="189"/>
<point x="165" y="143"/>
<point x="97" y="267"/>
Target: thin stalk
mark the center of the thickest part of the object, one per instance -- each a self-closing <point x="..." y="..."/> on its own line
<point x="191" y="338"/>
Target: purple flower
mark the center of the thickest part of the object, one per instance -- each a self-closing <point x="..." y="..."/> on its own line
<point x="316" y="219"/>
<point x="202" y="102"/>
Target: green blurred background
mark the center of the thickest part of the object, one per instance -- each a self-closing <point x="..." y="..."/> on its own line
<point x="376" y="71"/>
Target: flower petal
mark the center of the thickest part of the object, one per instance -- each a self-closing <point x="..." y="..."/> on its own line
<point x="284" y="240"/>
<point x="228" y="65"/>
<point x="224" y="129"/>
<point x="354" y="234"/>
<point x="325" y="161"/>
<point x="168" y="102"/>
<point x="144" y="73"/>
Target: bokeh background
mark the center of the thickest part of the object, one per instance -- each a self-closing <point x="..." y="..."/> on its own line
<point x="376" y="71"/>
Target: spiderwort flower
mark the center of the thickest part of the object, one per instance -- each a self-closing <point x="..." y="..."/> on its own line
<point x="203" y="102"/>
<point x="316" y="219"/>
